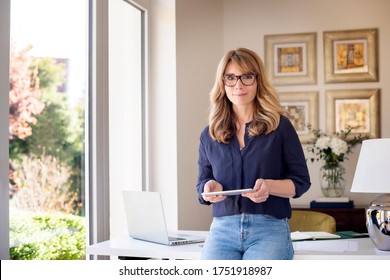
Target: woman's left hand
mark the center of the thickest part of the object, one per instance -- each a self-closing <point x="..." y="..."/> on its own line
<point x="261" y="192"/>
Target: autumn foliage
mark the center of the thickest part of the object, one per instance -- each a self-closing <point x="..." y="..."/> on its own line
<point x="24" y="95"/>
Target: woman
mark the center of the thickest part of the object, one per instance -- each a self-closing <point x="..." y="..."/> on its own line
<point x="249" y="143"/>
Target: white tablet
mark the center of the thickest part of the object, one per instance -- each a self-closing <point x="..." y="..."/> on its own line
<point x="230" y="192"/>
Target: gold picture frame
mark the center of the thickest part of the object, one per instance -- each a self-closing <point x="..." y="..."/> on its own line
<point x="354" y="108"/>
<point x="290" y="59"/>
<point x="303" y="111"/>
<point x="351" y="56"/>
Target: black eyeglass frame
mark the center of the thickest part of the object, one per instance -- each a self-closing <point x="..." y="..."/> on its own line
<point x="239" y="78"/>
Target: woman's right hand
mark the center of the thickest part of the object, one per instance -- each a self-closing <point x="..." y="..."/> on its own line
<point x="213" y="186"/>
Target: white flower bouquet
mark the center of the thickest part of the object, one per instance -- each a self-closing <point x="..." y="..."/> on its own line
<point x="332" y="148"/>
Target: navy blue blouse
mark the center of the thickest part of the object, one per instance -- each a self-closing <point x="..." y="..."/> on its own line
<point x="278" y="155"/>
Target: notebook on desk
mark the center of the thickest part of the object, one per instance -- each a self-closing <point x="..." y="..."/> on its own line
<point x="146" y="220"/>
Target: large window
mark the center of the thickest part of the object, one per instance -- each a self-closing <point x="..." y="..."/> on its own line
<point x="47" y="128"/>
<point x="84" y="115"/>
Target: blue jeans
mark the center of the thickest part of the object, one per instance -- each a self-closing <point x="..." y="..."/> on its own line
<point x="248" y="237"/>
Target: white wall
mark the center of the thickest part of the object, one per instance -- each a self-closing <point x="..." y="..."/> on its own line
<point x="199" y="47"/>
<point x="200" y="27"/>
<point x="162" y="105"/>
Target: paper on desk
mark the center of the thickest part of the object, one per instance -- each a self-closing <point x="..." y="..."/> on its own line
<point x="314" y="235"/>
<point x="326" y="246"/>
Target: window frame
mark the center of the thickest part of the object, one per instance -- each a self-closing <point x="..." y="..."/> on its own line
<point x="97" y="151"/>
<point x="99" y="190"/>
<point x="5" y="10"/>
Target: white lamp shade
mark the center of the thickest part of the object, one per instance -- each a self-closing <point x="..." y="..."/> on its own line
<point x="372" y="173"/>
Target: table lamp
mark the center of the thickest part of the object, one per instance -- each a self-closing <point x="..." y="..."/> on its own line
<point x="372" y="175"/>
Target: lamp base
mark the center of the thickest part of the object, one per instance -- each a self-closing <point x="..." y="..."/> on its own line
<point x="378" y="222"/>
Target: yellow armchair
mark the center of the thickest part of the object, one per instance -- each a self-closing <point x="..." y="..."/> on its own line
<point x="302" y="220"/>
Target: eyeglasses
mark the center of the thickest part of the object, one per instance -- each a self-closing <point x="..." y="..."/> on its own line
<point x="246" y="79"/>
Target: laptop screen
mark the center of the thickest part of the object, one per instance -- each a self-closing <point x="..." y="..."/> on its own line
<point x="145" y="216"/>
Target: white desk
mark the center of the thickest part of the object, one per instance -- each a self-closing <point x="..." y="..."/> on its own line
<point x="129" y="247"/>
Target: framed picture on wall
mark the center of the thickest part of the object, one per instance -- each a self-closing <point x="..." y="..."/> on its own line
<point x="302" y="108"/>
<point x="351" y="56"/>
<point x="358" y="108"/>
<point x="291" y="59"/>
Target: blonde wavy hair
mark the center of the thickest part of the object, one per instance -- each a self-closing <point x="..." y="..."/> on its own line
<point x="267" y="108"/>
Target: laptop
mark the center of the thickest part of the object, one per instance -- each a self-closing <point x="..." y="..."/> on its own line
<point x="146" y="220"/>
